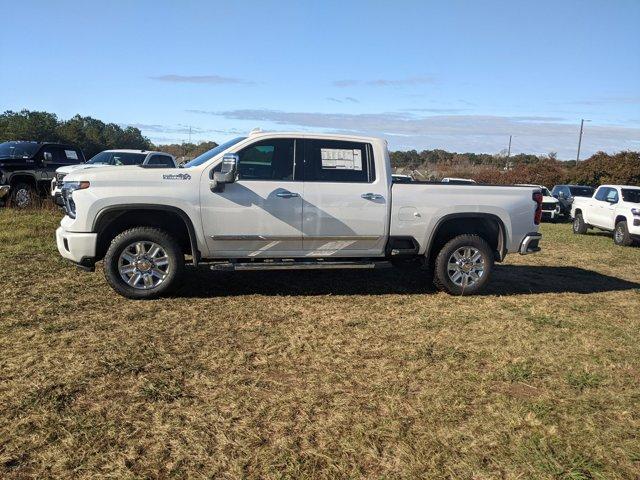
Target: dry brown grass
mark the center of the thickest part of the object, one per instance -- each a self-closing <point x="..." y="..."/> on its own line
<point x="321" y="374"/>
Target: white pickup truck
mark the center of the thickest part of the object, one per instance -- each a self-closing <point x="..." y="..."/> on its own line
<point x="613" y="208"/>
<point x="286" y="201"/>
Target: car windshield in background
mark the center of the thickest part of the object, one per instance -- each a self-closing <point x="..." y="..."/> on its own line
<point x="631" y="195"/>
<point x="546" y="192"/>
<point x="118" y="158"/>
<point x="209" y="154"/>
<point x="18" y="149"/>
<point x="581" y="191"/>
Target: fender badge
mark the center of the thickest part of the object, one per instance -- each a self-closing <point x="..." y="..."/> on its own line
<point x="176" y="176"/>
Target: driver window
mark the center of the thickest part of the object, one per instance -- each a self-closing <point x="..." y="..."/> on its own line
<point x="602" y="194"/>
<point x="267" y="160"/>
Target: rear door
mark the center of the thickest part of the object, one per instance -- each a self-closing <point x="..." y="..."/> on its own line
<point x="345" y="200"/>
<point x="598" y="209"/>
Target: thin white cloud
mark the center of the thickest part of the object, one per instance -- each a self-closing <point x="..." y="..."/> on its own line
<point x="202" y="79"/>
<point x="343" y="100"/>
<point x="386" y="82"/>
<point x="470" y="133"/>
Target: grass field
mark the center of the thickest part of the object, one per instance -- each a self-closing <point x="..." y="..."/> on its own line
<point x="321" y="374"/>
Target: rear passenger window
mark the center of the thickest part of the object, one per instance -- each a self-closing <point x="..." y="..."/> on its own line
<point x="160" y="160"/>
<point x="338" y="161"/>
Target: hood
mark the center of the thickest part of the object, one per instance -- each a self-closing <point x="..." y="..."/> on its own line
<point x="546" y="199"/>
<point x="124" y="173"/>
<point x="80" y="166"/>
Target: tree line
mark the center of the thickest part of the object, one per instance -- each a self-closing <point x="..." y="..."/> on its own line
<point x="93" y="136"/>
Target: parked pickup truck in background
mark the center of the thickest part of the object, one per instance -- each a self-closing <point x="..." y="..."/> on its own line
<point x="26" y="169"/>
<point x="566" y="193"/>
<point x="114" y="158"/>
<point x="614" y="208"/>
<point x="287" y="201"/>
<point x="550" y="204"/>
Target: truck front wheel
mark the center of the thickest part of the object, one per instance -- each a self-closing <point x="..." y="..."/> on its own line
<point x="464" y="265"/>
<point x="23" y="195"/>
<point x="579" y="227"/>
<point x="143" y="263"/>
<point x="621" y="234"/>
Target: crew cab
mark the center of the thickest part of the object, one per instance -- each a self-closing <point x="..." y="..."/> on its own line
<point x="112" y="157"/>
<point x="289" y="201"/>
<point x="26" y="169"/>
<point x="614" y="208"/>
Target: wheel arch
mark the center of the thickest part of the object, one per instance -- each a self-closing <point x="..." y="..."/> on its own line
<point x="487" y="225"/>
<point x="110" y="221"/>
<point x="23" y="177"/>
<point x="619" y="218"/>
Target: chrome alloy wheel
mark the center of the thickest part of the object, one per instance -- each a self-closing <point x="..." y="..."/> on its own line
<point x="22" y="198"/>
<point x="143" y="265"/>
<point x="465" y="266"/>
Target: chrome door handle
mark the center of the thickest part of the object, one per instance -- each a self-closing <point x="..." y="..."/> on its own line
<point x="372" y="196"/>
<point x="287" y="194"/>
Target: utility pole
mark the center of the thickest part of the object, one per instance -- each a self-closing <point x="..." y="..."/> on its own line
<point x="189" y="133"/>
<point x="580" y="138"/>
<point x="509" y="151"/>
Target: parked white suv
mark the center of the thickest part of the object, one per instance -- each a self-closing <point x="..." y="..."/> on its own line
<point x="287" y="201"/>
<point x="114" y="158"/>
<point x="613" y="208"/>
<point x="550" y="204"/>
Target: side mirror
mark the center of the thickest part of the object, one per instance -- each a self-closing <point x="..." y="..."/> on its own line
<point x="227" y="173"/>
<point x="48" y="157"/>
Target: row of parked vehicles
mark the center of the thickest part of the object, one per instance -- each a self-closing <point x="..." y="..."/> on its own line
<point x="32" y="170"/>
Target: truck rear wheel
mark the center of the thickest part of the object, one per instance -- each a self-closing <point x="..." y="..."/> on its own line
<point x="463" y="266"/>
<point x="579" y="227"/>
<point x="143" y="263"/>
<point x="621" y="234"/>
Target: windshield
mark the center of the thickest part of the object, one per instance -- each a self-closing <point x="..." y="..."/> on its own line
<point x="631" y="195"/>
<point x="581" y="191"/>
<point x="118" y="158"/>
<point x="545" y="192"/>
<point x="209" y="154"/>
<point x="101" y="158"/>
<point x="18" y="149"/>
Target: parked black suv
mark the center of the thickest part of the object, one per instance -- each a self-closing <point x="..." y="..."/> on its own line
<point x="565" y="194"/>
<point x="27" y="168"/>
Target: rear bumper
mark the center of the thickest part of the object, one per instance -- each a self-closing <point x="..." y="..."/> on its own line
<point x="4" y="190"/>
<point x="530" y="243"/>
<point x="80" y="248"/>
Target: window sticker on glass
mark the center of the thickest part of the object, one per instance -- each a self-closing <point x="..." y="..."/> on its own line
<point x="341" y="159"/>
<point x="71" y="154"/>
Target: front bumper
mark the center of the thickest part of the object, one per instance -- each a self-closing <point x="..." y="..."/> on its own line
<point x="530" y="243"/>
<point x="4" y="190"/>
<point x="80" y="248"/>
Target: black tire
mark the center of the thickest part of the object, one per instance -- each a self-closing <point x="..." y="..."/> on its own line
<point x="145" y="235"/>
<point x="442" y="279"/>
<point x="621" y="235"/>
<point x="579" y="227"/>
<point x="23" y="195"/>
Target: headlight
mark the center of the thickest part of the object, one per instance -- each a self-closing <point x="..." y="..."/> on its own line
<point x="67" y="196"/>
<point x="635" y="212"/>
<point x="70" y="187"/>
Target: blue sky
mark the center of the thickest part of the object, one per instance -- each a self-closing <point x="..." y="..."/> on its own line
<point x="456" y="75"/>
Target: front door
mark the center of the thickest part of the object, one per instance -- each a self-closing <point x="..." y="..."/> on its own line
<point x="260" y="215"/>
<point x="345" y="205"/>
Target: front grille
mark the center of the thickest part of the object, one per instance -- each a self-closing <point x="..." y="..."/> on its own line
<point x="549" y="205"/>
